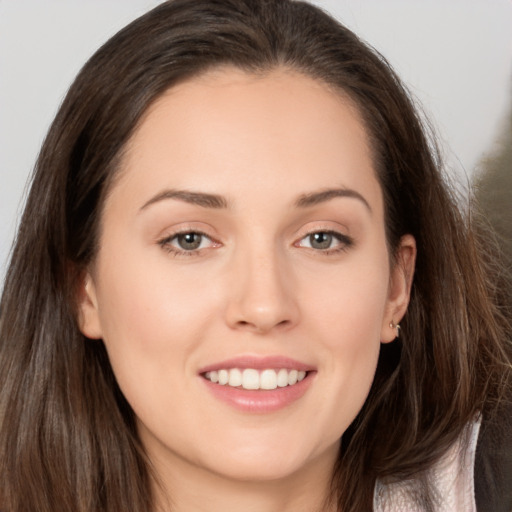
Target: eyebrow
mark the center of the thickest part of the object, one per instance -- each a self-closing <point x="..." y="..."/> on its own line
<point x="314" y="198"/>
<point x="218" y="202"/>
<point x="197" y="198"/>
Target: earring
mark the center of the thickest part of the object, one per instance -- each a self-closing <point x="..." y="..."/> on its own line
<point x="395" y="326"/>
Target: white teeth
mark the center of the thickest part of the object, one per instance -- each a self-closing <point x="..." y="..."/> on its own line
<point x="268" y="379"/>
<point x="223" y="377"/>
<point x="250" y="379"/>
<point x="235" y="378"/>
<point x="253" y="379"/>
<point x="282" y="378"/>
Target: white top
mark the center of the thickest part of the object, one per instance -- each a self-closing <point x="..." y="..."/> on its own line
<point x="452" y="479"/>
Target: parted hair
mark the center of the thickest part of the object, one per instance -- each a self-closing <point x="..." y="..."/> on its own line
<point x="67" y="435"/>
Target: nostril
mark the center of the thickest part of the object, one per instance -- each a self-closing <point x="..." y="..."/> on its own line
<point x="262" y="327"/>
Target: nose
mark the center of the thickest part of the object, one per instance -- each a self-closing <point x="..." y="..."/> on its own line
<point x="263" y="296"/>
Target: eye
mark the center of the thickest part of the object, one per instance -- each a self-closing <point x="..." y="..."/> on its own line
<point x="189" y="241"/>
<point x="325" y="241"/>
<point x="320" y="240"/>
<point x="186" y="242"/>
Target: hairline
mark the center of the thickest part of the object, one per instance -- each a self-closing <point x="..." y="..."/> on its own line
<point x="117" y="164"/>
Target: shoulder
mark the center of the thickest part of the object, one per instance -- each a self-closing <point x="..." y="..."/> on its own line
<point x="475" y="475"/>
<point x="450" y="482"/>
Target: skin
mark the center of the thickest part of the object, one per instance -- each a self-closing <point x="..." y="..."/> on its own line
<point x="256" y="285"/>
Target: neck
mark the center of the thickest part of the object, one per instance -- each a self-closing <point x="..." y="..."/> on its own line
<point x="184" y="487"/>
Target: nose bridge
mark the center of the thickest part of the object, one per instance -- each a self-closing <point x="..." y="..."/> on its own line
<point x="262" y="296"/>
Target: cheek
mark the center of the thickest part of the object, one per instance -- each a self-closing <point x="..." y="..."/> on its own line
<point x="346" y="318"/>
<point x="143" y="297"/>
<point x="351" y="305"/>
<point x="151" y="320"/>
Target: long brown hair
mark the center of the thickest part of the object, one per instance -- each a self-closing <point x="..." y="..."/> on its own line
<point x="67" y="436"/>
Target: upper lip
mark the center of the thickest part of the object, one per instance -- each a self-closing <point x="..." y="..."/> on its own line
<point x="258" y="363"/>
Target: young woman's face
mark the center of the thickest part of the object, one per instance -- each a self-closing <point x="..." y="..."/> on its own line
<point x="244" y="241"/>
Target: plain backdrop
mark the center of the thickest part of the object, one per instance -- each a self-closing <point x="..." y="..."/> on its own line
<point x="454" y="55"/>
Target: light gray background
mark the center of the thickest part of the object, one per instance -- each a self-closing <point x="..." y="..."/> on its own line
<point x="455" y="56"/>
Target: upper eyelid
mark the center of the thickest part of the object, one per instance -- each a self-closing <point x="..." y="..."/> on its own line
<point x="322" y="228"/>
<point x="184" y="232"/>
<point x="186" y="227"/>
<point x="336" y="234"/>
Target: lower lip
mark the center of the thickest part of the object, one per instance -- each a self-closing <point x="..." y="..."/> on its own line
<point x="261" y="400"/>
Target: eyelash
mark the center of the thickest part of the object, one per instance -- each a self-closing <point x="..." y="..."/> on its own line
<point x="345" y="242"/>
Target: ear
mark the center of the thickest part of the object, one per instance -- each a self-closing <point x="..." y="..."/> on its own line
<point x="88" y="313"/>
<point x="399" y="288"/>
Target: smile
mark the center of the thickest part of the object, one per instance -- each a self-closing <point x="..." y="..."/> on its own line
<point x="258" y="384"/>
<point x="253" y="379"/>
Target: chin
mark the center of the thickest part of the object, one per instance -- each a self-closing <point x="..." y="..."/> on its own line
<point x="258" y="471"/>
<point x="263" y="464"/>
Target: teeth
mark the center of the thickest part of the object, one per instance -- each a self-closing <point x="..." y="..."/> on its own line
<point x="235" y="378"/>
<point x="254" y="379"/>
<point x="282" y="378"/>
<point x="223" y="377"/>
<point x="268" y="379"/>
<point x="250" y="379"/>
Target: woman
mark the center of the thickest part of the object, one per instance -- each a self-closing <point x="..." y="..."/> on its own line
<point x="241" y="283"/>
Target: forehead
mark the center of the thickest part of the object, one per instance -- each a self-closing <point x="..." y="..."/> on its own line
<point x="281" y="129"/>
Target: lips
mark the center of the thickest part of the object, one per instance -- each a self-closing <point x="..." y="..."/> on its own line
<point x="254" y="384"/>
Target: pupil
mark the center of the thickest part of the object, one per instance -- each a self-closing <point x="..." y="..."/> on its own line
<point x="320" y="240"/>
<point x="189" y="241"/>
